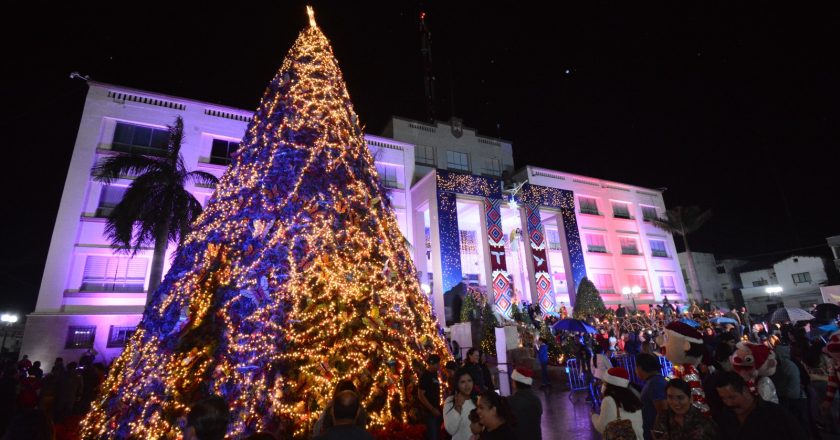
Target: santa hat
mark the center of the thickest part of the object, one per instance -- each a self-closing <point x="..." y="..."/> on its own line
<point x="523" y="375"/>
<point x="617" y="376"/>
<point x="686" y="331"/>
<point x="760" y="353"/>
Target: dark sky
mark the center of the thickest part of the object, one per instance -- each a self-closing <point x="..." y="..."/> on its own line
<point x="733" y="108"/>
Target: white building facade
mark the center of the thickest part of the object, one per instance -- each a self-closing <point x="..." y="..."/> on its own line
<point x="792" y="282"/>
<point x="445" y="187"/>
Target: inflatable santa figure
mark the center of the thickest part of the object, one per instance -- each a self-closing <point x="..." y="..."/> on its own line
<point x="756" y="363"/>
<point x="684" y="348"/>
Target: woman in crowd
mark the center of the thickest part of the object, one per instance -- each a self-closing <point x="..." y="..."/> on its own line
<point x="457" y="407"/>
<point x="495" y="415"/>
<point x="682" y="420"/>
<point x="618" y="402"/>
<point x="473" y="366"/>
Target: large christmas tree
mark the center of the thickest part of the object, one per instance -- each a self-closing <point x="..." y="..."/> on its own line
<point x="294" y="278"/>
<point x="588" y="300"/>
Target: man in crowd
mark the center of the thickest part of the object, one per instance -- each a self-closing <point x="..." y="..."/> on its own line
<point x="345" y="411"/>
<point x="208" y="420"/>
<point x="429" y="396"/>
<point x="747" y="416"/>
<point x="525" y="405"/>
<point x="653" y="392"/>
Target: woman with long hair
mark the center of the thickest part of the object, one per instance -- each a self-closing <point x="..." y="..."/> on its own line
<point x="618" y="402"/>
<point x="496" y="417"/>
<point x="457" y="407"/>
<point x="472" y="363"/>
<point x="682" y="420"/>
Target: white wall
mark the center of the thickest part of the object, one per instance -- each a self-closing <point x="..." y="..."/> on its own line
<point x="707" y="275"/>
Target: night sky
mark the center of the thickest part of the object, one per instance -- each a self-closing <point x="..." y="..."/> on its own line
<point x="733" y="108"/>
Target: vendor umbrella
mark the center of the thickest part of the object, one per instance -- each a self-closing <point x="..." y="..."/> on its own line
<point x="829" y="327"/>
<point x="790" y="314"/>
<point x="574" y="325"/>
<point x="690" y="322"/>
<point x="723" y="320"/>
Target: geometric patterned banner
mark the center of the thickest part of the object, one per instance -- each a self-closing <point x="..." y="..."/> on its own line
<point x="545" y="292"/>
<point x="498" y="265"/>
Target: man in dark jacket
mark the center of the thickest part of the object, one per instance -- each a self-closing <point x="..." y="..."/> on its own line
<point x="746" y="416"/>
<point x="525" y="405"/>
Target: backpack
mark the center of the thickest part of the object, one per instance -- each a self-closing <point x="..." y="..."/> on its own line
<point x="619" y="429"/>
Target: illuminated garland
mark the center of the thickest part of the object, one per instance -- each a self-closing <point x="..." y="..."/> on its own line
<point x="295" y="277"/>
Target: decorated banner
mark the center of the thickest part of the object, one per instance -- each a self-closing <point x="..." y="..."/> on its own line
<point x="498" y="266"/>
<point x="536" y="235"/>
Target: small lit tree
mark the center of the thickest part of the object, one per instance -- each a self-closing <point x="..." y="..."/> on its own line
<point x="588" y="300"/>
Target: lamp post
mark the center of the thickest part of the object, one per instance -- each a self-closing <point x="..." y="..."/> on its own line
<point x="632" y="292"/>
<point x="8" y="319"/>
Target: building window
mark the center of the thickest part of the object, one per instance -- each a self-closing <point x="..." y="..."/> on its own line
<point x="388" y="175"/>
<point x="80" y="337"/>
<point x="761" y="282"/>
<point x="649" y="213"/>
<point x="588" y="205"/>
<point x="424" y="155"/>
<point x="119" y="336"/>
<point x="221" y="151"/>
<point x="596" y="243"/>
<point x="629" y="246"/>
<point x="130" y="138"/>
<point x="114" y="274"/>
<point x="457" y="161"/>
<point x="492" y="167"/>
<point x="658" y="249"/>
<point x="721" y="269"/>
<point x="666" y="283"/>
<point x="621" y="210"/>
<point x="638" y="280"/>
<point x="109" y="198"/>
<point x="799" y="278"/>
<point x="553" y="239"/>
<point x="604" y="283"/>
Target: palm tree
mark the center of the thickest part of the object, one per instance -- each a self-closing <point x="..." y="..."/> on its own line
<point x="155" y="208"/>
<point x="683" y="221"/>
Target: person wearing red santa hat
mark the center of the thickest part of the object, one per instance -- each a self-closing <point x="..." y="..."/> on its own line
<point x="618" y="402"/>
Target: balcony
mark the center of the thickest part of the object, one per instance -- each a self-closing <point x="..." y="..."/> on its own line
<point x="137" y="149"/>
<point x="598" y="249"/>
<point x="662" y="254"/>
<point x="112" y="287"/>
<point x="629" y="251"/>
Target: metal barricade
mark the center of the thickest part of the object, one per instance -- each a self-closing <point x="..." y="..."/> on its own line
<point x="579" y="380"/>
<point x="666" y="366"/>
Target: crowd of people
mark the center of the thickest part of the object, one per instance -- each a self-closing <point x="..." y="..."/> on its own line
<point x="33" y="404"/>
<point x="754" y="379"/>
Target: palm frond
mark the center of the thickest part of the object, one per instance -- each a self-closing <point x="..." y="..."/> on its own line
<point x="176" y="137"/>
<point x="201" y="178"/>
<point x="114" y="167"/>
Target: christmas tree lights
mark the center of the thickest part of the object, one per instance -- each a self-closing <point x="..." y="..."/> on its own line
<point x="294" y="278"/>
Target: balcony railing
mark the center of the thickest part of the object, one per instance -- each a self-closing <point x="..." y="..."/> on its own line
<point x="586" y="210"/>
<point x="599" y="249"/>
<point x="622" y="215"/>
<point x="629" y="251"/>
<point x="656" y="253"/>
<point x="112" y="287"/>
<point x="137" y="149"/>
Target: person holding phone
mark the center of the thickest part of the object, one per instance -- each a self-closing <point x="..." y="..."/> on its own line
<point x="682" y="420"/>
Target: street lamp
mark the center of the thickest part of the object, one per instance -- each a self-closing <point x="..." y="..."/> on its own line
<point x="7" y="319"/>
<point x="632" y="292"/>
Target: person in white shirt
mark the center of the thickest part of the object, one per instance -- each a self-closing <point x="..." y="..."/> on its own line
<point x="618" y="401"/>
<point x="457" y="407"/>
